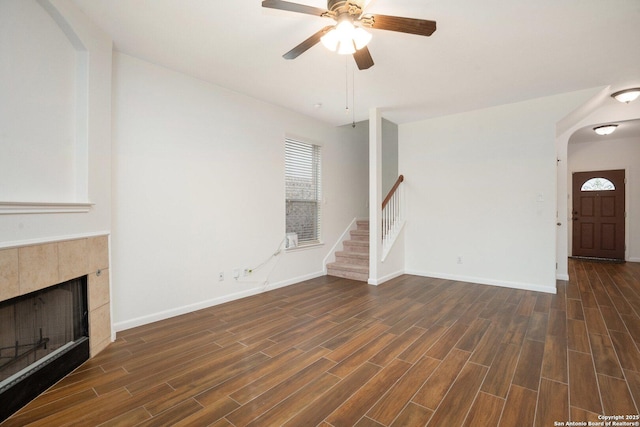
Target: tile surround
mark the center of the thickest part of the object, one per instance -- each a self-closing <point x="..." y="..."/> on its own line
<point x="9" y="279"/>
<point x="38" y="267"/>
<point x="98" y="289"/>
<point x="99" y="329"/>
<point x="98" y="250"/>
<point x="31" y="268"/>
<point x="73" y="260"/>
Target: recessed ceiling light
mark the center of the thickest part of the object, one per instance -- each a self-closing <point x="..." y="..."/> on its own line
<point x="605" y="129"/>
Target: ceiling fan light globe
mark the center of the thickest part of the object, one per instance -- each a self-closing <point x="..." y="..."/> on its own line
<point x="361" y="38"/>
<point x="345" y="29"/>
<point x="346" y="47"/>
<point x="344" y="33"/>
<point x="330" y="40"/>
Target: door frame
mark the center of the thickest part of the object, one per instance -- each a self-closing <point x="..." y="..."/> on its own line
<point x="570" y="207"/>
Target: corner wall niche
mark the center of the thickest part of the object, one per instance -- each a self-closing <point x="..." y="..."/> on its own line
<point x="43" y="111"/>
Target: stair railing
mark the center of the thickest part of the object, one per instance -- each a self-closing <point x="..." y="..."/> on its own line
<point x="392" y="216"/>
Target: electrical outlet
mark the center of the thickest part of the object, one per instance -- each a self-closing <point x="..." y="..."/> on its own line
<point x="236" y="273"/>
<point x="459" y="260"/>
<point x="247" y="271"/>
<point x="221" y="276"/>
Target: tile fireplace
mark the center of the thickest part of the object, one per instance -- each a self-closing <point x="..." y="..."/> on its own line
<point x="54" y="314"/>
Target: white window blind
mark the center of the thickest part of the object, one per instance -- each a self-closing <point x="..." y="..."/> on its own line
<point x="303" y="190"/>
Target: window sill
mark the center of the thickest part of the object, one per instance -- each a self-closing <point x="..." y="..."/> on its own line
<point x="304" y="247"/>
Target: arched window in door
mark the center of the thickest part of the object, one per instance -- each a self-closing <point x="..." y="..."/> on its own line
<point x="598" y="184"/>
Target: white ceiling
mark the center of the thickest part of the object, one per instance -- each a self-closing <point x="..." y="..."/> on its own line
<point x="483" y="53"/>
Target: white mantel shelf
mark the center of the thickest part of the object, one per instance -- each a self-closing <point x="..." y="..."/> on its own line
<point x="16" y="208"/>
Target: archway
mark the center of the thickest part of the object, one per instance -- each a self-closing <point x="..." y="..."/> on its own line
<point x="578" y="128"/>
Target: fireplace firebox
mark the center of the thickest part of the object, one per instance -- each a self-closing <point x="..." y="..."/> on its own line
<point x="44" y="336"/>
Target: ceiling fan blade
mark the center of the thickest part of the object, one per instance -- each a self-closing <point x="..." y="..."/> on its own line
<point x="307" y="44"/>
<point x="365" y="5"/>
<point x="293" y="7"/>
<point x="363" y="58"/>
<point x="421" y="27"/>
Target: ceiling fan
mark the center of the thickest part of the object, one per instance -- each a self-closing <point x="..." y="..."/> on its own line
<point x="347" y="36"/>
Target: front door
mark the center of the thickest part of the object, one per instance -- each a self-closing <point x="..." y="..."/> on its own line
<point x="598" y="214"/>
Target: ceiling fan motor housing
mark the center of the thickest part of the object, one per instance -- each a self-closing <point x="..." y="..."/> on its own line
<point x="352" y="7"/>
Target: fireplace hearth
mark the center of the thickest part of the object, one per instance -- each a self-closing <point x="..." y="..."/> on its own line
<point x="44" y="335"/>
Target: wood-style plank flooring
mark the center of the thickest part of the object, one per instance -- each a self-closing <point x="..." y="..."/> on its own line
<point x="333" y="352"/>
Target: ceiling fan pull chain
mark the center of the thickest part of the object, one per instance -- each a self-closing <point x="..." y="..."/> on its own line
<point x="346" y="85"/>
<point x="353" y="97"/>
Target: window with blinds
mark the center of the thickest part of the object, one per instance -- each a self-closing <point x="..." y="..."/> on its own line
<point x="303" y="191"/>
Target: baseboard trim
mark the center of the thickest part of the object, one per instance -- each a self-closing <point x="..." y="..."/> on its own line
<point x="386" y="278"/>
<point x="561" y="276"/>
<point x="483" y="281"/>
<point x="177" y="311"/>
<point x="634" y="259"/>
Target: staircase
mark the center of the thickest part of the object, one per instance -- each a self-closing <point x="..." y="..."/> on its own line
<point x="353" y="261"/>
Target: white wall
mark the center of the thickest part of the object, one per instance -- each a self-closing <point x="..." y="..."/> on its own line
<point x="613" y="153"/>
<point x="389" y="155"/>
<point x="481" y="186"/>
<point x="355" y="141"/>
<point x="199" y="189"/>
<point x="51" y="130"/>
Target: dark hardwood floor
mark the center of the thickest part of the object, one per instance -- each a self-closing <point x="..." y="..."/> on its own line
<point x="333" y="352"/>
